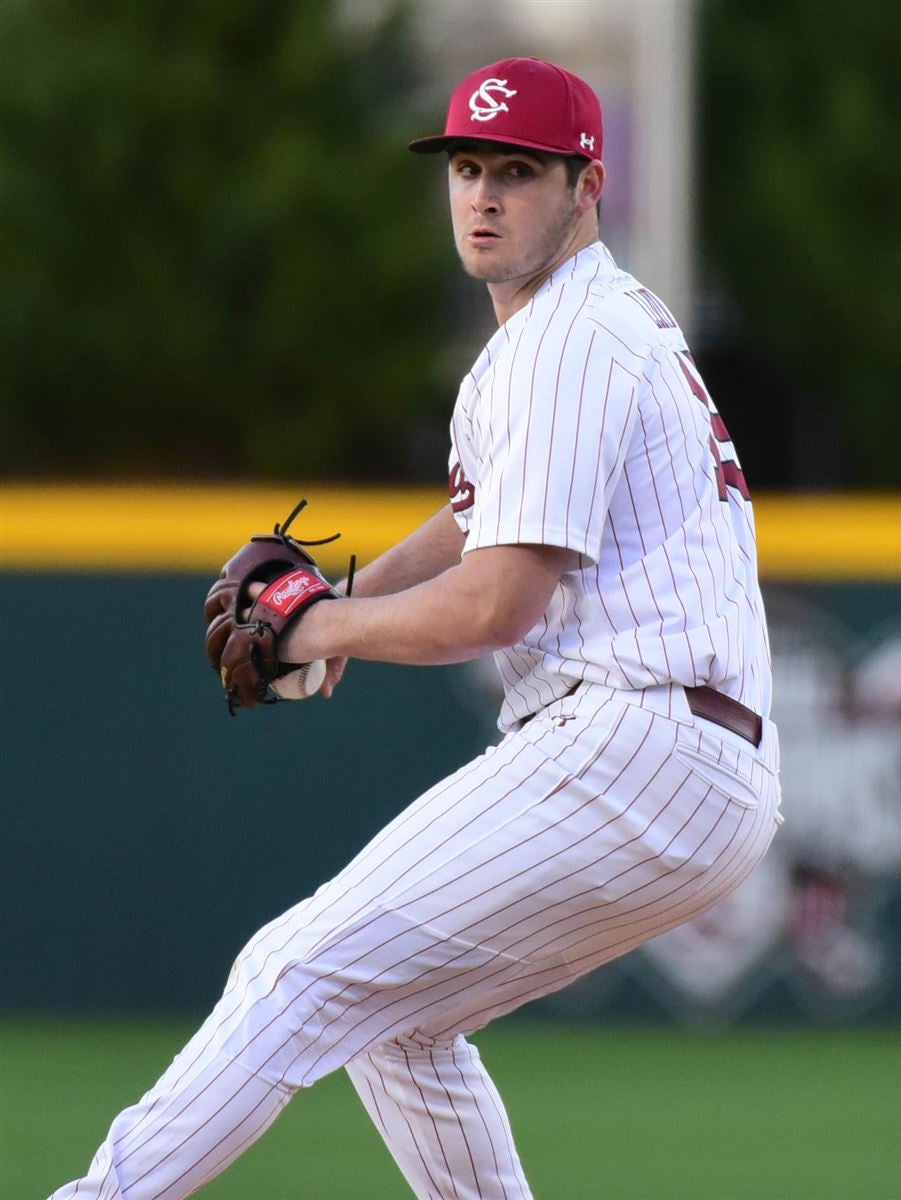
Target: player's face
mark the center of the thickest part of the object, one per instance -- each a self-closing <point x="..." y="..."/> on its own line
<point x="513" y="212"/>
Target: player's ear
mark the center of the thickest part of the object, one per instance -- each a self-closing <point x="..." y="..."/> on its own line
<point x="591" y="186"/>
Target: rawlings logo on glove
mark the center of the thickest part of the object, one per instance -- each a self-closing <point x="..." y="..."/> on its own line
<point x="243" y="634"/>
<point x="288" y="592"/>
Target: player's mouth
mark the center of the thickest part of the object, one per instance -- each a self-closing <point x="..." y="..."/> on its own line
<point x="482" y="236"/>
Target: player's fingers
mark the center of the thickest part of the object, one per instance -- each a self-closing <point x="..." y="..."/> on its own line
<point x="253" y="590"/>
<point x="335" y="668"/>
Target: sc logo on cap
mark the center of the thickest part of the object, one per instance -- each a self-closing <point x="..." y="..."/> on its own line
<point x="482" y="102"/>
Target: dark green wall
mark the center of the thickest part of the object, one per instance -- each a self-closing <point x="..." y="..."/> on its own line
<point x="147" y="834"/>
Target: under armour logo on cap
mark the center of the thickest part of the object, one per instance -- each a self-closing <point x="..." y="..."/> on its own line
<point x="489" y="106"/>
<point x="553" y="110"/>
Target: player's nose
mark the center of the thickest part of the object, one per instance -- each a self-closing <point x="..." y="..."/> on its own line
<point x="484" y="198"/>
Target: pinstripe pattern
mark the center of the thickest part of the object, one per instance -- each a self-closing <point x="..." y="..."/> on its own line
<point x="584" y="424"/>
<point x="563" y="847"/>
<point x="454" y="1113"/>
<point x="609" y="817"/>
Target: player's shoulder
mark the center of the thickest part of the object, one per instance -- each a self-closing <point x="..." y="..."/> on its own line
<point x="592" y="297"/>
<point x="631" y="315"/>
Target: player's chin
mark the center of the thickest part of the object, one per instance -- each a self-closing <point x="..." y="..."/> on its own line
<point x="485" y="263"/>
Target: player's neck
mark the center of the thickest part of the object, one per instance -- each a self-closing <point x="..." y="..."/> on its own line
<point x="511" y="295"/>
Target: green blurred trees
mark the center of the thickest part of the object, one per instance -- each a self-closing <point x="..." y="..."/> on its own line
<point x="217" y="259"/>
<point x="801" y="191"/>
<point x="216" y="256"/>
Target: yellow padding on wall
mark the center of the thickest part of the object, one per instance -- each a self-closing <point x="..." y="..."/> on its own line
<point x="829" y="537"/>
<point x="163" y="527"/>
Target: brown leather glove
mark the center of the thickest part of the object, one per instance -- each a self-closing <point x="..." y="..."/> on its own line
<point x="242" y="639"/>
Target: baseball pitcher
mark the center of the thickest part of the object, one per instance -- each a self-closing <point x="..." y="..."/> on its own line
<point x="599" y="540"/>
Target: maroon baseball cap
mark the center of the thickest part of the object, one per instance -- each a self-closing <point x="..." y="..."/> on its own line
<point x="523" y="102"/>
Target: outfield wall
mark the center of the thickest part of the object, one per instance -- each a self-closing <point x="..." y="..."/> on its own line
<point x="147" y="834"/>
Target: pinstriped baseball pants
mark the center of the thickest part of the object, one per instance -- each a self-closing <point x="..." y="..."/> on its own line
<point x="609" y="818"/>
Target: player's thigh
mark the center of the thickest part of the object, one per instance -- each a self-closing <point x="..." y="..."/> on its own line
<point x="464" y="810"/>
<point x="614" y="834"/>
<point x="572" y="841"/>
<point x="489" y="831"/>
<point x="651" y="839"/>
<point x="582" y="820"/>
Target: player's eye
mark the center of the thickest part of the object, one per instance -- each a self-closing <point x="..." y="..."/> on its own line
<point x="467" y="170"/>
<point x="520" y="170"/>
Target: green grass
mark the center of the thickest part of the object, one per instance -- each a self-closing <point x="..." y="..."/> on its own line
<point x="599" y="1114"/>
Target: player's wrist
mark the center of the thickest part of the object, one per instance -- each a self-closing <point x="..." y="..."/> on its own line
<point x="309" y="638"/>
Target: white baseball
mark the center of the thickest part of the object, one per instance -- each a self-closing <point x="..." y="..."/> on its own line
<point x="302" y="683"/>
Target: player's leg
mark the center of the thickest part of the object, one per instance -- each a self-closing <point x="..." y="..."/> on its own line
<point x="631" y="821"/>
<point x="433" y="1108"/>
<point x="572" y="842"/>
<point x="175" y="1139"/>
<point x="275" y="1028"/>
<point x="441" y="1117"/>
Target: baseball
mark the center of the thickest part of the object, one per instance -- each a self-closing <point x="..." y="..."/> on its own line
<point x="302" y="683"/>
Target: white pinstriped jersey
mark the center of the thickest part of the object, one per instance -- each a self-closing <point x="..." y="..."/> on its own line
<point x="585" y="424"/>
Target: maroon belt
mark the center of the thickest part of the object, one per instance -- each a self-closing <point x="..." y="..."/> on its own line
<point x="723" y="710"/>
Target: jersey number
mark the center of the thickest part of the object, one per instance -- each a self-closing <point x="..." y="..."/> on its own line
<point x="728" y="473"/>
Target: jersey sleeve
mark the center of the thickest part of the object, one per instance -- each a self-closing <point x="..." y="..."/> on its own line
<point x="461" y="469"/>
<point x="552" y="439"/>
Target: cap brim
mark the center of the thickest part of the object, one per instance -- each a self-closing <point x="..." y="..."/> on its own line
<point x="431" y="145"/>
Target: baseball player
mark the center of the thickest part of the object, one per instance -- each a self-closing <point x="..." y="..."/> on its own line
<point x="599" y="539"/>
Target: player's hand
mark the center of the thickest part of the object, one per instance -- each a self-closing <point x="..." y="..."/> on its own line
<point x="335" y="667"/>
<point x="254" y="590"/>
<point x="334" y="672"/>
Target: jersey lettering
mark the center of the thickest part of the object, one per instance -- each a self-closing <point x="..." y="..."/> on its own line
<point x="728" y="472"/>
<point x="655" y="308"/>
<point x="462" y="493"/>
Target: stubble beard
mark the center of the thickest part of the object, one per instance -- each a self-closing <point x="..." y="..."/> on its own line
<point x="551" y="244"/>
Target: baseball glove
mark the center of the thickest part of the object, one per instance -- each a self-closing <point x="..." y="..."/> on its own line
<point x="243" y="634"/>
